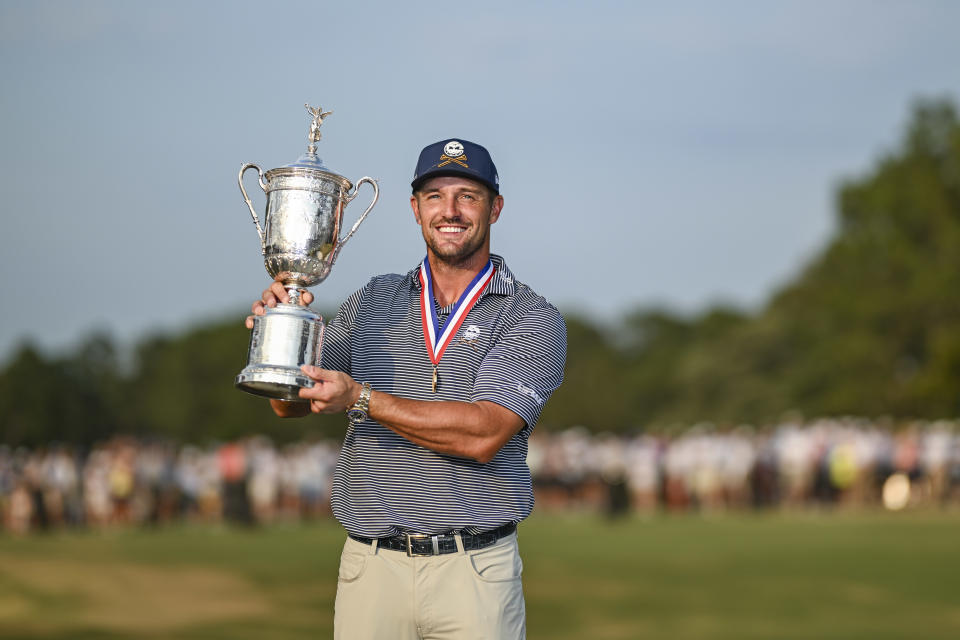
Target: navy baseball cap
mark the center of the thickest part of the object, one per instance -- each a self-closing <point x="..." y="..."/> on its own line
<point x="456" y="157"/>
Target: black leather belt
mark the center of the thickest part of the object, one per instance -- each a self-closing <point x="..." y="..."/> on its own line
<point x="415" y="544"/>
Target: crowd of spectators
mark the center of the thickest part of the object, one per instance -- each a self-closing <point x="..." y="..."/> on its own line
<point x="825" y="463"/>
<point x="127" y="481"/>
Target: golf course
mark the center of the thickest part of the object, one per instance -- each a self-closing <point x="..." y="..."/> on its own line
<point x="810" y="574"/>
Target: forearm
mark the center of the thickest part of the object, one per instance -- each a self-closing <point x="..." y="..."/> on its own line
<point x="475" y="430"/>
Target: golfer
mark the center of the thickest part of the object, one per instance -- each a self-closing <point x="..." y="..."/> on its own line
<point x="443" y="372"/>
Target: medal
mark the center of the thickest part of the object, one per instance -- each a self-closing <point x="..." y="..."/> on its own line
<point x="436" y="337"/>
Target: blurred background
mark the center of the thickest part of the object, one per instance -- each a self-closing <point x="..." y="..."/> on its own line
<point x="748" y="212"/>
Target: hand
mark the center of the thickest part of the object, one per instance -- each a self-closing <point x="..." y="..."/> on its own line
<point x="273" y="295"/>
<point x="332" y="392"/>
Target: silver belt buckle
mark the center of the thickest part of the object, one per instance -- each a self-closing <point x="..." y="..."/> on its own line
<point x="434" y="539"/>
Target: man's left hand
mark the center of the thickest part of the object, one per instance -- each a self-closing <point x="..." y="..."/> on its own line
<point x="332" y="391"/>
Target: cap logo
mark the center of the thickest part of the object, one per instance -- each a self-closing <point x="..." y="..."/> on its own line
<point x="453" y="153"/>
<point x="453" y="149"/>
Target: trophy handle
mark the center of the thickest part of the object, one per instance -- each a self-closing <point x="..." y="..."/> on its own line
<point x="349" y="198"/>
<point x="263" y="185"/>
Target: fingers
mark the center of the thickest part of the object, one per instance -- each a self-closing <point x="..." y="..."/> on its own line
<point x="318" y="406"/>
<point x="318" y="396"/>
<point x="274" y="294"/>
<point x="259" y="307"/>
<point x="331" y="391"/>
<point x="279" y="292"/>
<point x="320" y="376"/>
<point x="271" y="297"/>
<point x="318" y="391"/>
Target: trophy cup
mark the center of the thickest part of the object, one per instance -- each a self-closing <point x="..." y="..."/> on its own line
<point x="300" y="240"/>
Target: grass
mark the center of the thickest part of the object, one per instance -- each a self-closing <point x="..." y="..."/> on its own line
<point x="866" y="575"/>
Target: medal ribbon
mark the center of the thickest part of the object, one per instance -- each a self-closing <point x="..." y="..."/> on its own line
<point x="436" y="337"/>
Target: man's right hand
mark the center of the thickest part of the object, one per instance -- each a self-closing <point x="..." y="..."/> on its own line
<point x="273" y="295"/>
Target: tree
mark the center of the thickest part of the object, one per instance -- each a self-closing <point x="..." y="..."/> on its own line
<point x="871" y="326"/>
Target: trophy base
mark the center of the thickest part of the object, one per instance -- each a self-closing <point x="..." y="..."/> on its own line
<point x="285" y="338"/>
<point x="278" y="383"/>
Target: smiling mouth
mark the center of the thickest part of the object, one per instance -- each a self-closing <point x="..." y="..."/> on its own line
<point x="448" y="229"/>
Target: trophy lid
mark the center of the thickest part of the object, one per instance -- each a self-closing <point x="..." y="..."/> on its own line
<point x="308" y="171"/>
<point x="308" y="160"/>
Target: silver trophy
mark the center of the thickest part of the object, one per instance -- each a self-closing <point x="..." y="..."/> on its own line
<point x="300" y="240"/>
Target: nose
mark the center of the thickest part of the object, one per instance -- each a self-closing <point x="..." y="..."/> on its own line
<point x="450" y="211"/>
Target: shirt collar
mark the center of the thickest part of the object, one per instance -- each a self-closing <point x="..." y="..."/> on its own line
<point x="502" y="283"/>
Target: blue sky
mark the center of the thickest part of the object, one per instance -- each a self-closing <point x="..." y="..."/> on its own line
<point x="676" y="154"/>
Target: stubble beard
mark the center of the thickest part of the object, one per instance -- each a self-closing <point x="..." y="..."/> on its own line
<point x="458" y="255"/>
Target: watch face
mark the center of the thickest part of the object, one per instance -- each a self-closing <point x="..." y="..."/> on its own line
<point x="356" y="415"/>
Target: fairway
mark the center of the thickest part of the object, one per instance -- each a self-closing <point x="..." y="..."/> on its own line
<point x="842" y="575"/>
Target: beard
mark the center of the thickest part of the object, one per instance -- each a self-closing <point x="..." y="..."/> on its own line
<point x="457" y="254"/>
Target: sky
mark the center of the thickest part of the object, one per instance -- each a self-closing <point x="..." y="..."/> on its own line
<point x="650" y="154"/>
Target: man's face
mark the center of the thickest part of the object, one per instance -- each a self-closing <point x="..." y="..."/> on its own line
<point x="455" y="215"/>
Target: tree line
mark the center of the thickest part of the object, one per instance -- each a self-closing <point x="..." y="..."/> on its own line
<point x="869" y="327"/>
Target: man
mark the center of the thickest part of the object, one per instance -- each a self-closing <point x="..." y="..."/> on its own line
<point x="444" y="372"/>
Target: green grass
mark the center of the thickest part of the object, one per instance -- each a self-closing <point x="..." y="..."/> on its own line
<point x="847" y="576"/>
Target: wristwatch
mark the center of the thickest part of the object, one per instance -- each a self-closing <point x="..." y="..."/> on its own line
<point x="360" y="409"/>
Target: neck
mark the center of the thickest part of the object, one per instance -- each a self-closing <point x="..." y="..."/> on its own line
<point x="451" y="280"/>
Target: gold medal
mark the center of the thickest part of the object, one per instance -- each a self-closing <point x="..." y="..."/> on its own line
<point x="436" y="378"/>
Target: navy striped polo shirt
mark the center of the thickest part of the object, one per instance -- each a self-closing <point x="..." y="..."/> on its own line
<point x="509" y="350"/>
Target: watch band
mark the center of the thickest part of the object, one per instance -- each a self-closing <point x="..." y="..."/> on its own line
<point x="361" y="408"/>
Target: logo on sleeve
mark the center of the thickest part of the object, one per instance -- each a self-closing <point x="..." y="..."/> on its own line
<point x="529" y="391"/>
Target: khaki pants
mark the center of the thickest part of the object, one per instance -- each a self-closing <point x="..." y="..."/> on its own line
<point x="465" y="595"/>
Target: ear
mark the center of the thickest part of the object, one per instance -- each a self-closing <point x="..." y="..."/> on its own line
<point x="496" y="208"/>
<point x="416" y="208"/>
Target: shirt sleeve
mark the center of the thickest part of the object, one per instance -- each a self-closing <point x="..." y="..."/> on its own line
<point x="526" y="365"/>
<point x="336" y="352"/>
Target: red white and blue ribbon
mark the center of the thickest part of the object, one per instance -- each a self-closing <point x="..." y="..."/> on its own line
<point x="436" y="337"/>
